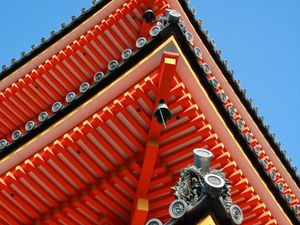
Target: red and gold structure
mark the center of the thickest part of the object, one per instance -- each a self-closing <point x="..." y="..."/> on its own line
<point x="98" y="155"/>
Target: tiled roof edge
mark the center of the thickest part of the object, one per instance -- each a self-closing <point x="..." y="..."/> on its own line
<point x="241" y="94"/>
<point x="65" y="29"/>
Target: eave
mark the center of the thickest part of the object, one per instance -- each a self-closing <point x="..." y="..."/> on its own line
<point x="264" y="129"/>
<point x="167" y="32"/>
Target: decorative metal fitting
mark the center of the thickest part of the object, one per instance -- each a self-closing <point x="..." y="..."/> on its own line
<point x="63" y="25"/>
<point x="219" y="52"/>
<point x="288" y="198"/>
<point x="236" y="214"/>
<point x="43" y="40"/>
<point x="264" y="163"/>
<point x="189" y="37"/>
<point x="213" y="185"/>
<point x="29" y="125"/>
<point x="193" y="11"/>
<point x="149" y="16"/>
<point x="248" y="137"/>
<point x="4" y="67"/>
<point x="56" y="107"/>
<point x="98" y="76"/>
<point x="200" y="22"/>
<point x="154" y="221"/>
<point x="240" y="124"/>
<point x="162" y="113"/>
<point x="112" y="65"/>
<point x="3" y="144"/>
<point x="178" y="208"/>
<point x="94" y="2"/>
<point x="273" y="175"/>
<point x="70" y="97"/>
<point x="173" y="16"/>
<point x="16" y="135"/>
<point x="223" y="97"/>
<point x="214" y="83"/>
<point x="141" y="42"/>
<point x="231" y="72"/>
<point x="126" y="54"/>
<point x="280" y="187"/>
<point x="202" y="158"/>
<point x="257" y="151"/>
<point x="23" y="54"/>
<point x="13" y="61"/>
<point x="43" y="116"/>
<point x="154" y="31"/>
<point x="231" y="111"/>
<point x="198" y="52"/>
<point x="206" y="68"/>
<point x="206" y="33"/>
<point x="73" y="18"/>
<point x="84" y="87"/>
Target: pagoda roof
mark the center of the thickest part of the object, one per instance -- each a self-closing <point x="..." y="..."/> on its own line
<point x="42" y="157"/>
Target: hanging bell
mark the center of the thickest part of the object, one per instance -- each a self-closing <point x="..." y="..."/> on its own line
<point x="162" y="113"/>
<point x="149" y="16"/>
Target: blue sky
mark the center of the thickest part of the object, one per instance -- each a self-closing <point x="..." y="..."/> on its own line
<point x="260" y="40"/>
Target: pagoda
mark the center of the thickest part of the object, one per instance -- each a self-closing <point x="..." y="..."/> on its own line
<point x="129" y="115"/>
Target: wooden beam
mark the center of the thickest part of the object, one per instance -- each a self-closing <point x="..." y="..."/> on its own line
<point x="166" y="73"/>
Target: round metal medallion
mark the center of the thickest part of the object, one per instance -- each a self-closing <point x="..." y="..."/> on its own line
<point x="240" y="124"/>
<point x="154" y="31"/>
<point x="206" y="68"/>
<point x="84" y="87"/>
<point x="140" y="42"/>
<point x="197" y="52"/>
<point x="295" y="209"/>
<point x="236" y="214"/>
<point x="248" y="137"/>
<point x="98" y="76"/>
<point x="16" y="135"/>
<point x="280" y="186"/>
<point x="70" y="97"/>
<point x="189" y="37"/>
<point x="265" y="163"/>
<point x="273" y="176"/>
<point x="56" y="106"/>
<point x="231" y="111"/>
<point x="126" y="54"/>
<point x="257" y="151"/>
<point x="3" y="143"/>
<point x="177" y="208"/>
<point x="29" y="125"/>
<point x="154" y="222"/>
<point x="112" y="65"/>
<point x="214" y="181"/>
<point x="288" y="198"/>
<point x="214" y="83"/>
<point x="223" y="97"/>
<point x="43" y="116"/>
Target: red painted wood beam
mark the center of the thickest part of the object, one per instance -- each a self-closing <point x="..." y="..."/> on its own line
<point x="140" y="205"/>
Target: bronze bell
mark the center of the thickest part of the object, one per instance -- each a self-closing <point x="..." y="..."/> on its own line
<point x="149" y="16"/>
<point x="162" y="113"/>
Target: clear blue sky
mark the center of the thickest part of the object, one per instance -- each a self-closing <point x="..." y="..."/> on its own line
<point x="260" y="40"/>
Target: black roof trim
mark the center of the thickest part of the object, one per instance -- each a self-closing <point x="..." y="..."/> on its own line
<point x="189" y="53"/>
<point x="63" y="32"/>
<point x="240" y="93"/>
